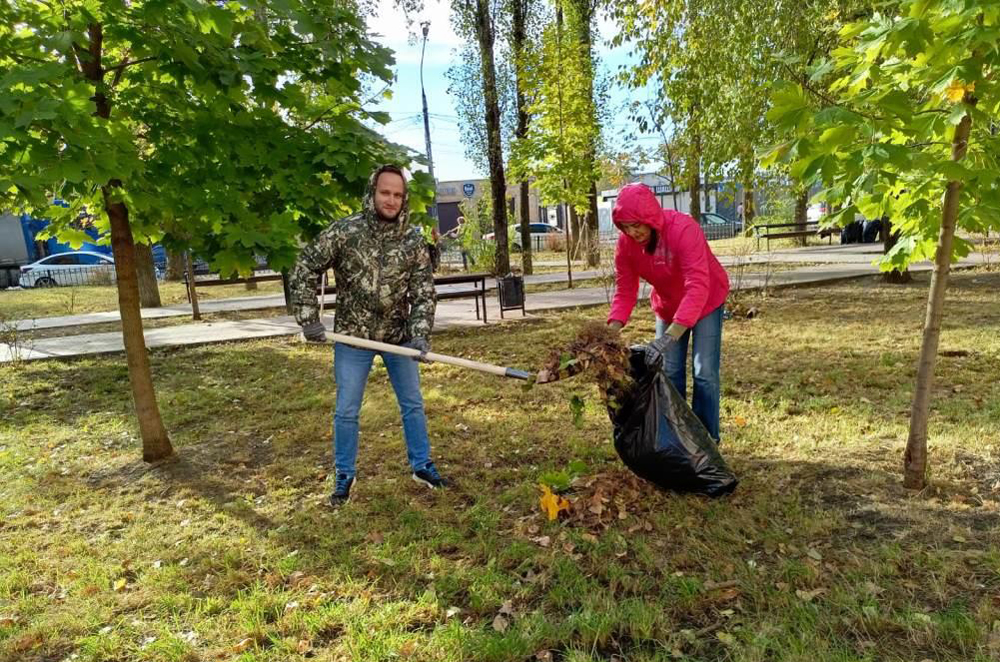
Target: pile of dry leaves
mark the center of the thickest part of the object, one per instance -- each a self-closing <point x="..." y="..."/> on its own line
<point x="597" y="349"/>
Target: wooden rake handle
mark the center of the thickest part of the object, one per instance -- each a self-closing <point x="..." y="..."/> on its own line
<point x="433" y="357"/>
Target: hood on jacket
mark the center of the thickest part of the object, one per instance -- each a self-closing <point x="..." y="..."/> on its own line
<point x="403" y="219"/>
<point x="636" y="202"/>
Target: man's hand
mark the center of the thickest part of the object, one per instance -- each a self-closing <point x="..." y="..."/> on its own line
<point x="314" y="332"/>
<point x="420" y="344"/>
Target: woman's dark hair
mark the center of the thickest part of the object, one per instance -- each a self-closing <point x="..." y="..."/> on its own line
<point x="651" y="245"/>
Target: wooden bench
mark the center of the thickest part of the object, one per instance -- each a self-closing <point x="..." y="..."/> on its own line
<point x="769" y="231"/>
<point x="476" y="280"/>
<point x="477" y="291"/>
<point x="213" y="282"/>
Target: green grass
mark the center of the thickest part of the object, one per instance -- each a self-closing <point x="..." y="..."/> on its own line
<point x="230" y="553"/>
<point x="34" y="303"/>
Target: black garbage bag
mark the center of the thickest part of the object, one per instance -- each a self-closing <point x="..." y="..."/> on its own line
<point x="660" y="438"/>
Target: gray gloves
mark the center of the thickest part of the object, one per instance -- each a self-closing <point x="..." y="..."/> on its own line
<point x="656" y="349"/>
<point x="314" y="331"/>
<point x="420" y="344"/>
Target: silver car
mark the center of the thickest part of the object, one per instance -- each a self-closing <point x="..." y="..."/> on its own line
<point x="72" y="268"/>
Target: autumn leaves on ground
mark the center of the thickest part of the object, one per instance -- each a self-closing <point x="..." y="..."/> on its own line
<point x="230" y="552"/>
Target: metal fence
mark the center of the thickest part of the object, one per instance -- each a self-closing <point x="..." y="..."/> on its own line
<point x="98" y="274"/>
<point x="715" y="231"/>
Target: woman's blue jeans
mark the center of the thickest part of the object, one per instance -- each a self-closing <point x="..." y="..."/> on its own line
<point x="706" y="356"/>
<point x="351" y="366"/>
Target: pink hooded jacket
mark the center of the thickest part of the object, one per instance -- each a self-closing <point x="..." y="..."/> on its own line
<point x="688" y="281"/>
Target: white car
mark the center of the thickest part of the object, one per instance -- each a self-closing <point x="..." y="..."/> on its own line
<point x="540" y="236"/>
<point x="72" y="268"/>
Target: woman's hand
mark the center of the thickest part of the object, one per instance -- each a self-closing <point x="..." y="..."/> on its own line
<point x="615" y="325"/>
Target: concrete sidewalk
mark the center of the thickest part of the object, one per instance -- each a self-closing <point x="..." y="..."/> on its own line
<point x="450" y="314"/>
<point x="240" y="304"/>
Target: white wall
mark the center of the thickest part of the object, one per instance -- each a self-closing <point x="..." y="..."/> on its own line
<point x="12" y="248"/>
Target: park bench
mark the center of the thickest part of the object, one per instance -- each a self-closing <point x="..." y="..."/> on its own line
<point x="769" y="231"/>
<point x="477" y="281"/>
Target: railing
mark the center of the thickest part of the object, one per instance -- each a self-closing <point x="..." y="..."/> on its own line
<point x="42" y="276"/>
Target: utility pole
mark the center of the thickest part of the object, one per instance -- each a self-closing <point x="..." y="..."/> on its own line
<point x="426" y="26"/>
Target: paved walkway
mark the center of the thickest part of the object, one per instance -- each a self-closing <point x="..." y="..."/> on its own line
<point x="450" y="313"/>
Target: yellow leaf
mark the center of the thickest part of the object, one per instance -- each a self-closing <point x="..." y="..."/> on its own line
<point x="551" y="503"/>
<point x="740" y="422"/>
<point x="957" y="89"/>
<point x="119" y="585"/>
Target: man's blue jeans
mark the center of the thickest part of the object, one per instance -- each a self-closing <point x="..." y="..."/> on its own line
<point x="706" y="356"/>
<point x="350" y="370"/>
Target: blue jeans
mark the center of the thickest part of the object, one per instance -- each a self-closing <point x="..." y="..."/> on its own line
<point x="350" y="371"/>
<point x="706" y="356"/>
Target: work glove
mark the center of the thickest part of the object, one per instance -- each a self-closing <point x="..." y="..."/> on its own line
<point x="420" y="344"/>
<point x="656" y="349"/>
<point x="314" y="331"/>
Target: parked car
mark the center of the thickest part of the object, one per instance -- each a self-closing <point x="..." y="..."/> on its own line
<point x="717" y="226"/>
<point x="72" y="268"/>
<point x="540" y="233"/>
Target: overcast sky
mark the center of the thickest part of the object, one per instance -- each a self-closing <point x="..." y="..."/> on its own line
<point x="405" y="107"/>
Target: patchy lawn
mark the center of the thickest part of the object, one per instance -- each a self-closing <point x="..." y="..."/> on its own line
<point x="229" y="552"/>
<point x="33" y="303"/>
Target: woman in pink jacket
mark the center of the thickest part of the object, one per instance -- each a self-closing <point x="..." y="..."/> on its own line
<point x="668" y="250"/>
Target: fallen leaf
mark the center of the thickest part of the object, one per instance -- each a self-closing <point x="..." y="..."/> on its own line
<point x="500" y="624"/>
<point x="507" y="609"/>
<point x="543" y="656"/>
<point x="119" y="585"/>
<point x="727" y="595"/>
<point x="242" y="646"/>
<point x="740" y="422"/>
<point x="7" y="621"/>
<point x="725" y="638"/>
<point x="542" y="541"/>
<point x="452" y="611"/>
<point x="959" y="539"/>
<point x="376" y="538"/>
<point x="552" y="504"/>
<point x="813" y="554"/>
<point x="809" y="595"/>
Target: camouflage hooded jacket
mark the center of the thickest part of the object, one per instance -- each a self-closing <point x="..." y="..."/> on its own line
<point x="382" y="270"/>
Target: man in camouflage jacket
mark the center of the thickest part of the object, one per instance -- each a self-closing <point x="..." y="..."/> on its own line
<point x="385" y="292"/>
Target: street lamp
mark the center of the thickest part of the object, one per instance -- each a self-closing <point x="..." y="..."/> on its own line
<point x="425" y="27"/>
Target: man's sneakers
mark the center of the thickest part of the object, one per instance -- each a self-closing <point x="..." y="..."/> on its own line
<point x="341" y="490"/>
<point x="430" y="477"/>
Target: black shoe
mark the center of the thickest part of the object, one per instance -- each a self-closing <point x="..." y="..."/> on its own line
<point x="342" y="490"/>
<point x="430" y="477"/>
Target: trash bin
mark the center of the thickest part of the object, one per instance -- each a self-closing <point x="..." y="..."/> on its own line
<point x="510" y="289"/>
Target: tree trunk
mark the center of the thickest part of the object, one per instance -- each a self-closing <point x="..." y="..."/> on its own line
<point x="591" y="224"/>
<point x="889" y="239"/>
<point x="519" y="38"/>
<point x="695" y="193"/>
<point x="494" y="150"/>
<point x="748" y="209"/>
<point x="915" y="458"/>
<point x="574" y="236"/>
<point x="175" y="266"/>
<point x="155" y="442"/>
<point x="801" y="213"/>
<point x="193" y="291"/>
<point x="149" y="291"/>
<point x="526" y="247"/>
<point x="593" y="230"/>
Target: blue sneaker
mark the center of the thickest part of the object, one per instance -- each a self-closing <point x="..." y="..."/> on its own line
<point x="430" y="477"/>
<point x="341" y="490"/>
